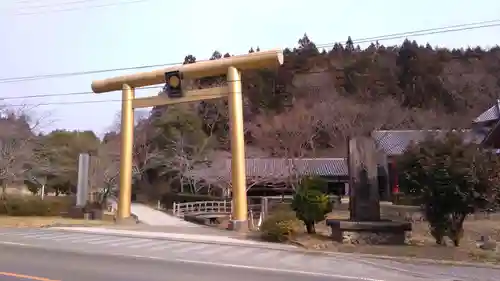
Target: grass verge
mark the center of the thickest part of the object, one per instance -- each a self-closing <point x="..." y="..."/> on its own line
<point x="9" y="221"/>
<point x="421" y="245"/>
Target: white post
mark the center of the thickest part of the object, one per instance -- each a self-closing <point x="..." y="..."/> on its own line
<point x="264" y="207"/>
<point x="259" y="223"/>
<point x="250" y="218"/>
<point x="231" y="214"/>
<point x="43" y="191"/>
<point x="83" y="180"/>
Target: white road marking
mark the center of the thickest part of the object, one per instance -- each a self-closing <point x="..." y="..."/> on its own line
<point x="238" y="252"/>
<point x="221" y="264"/>
<point x="167" y="245"/>
<point x="52" y="236"/>
<point x="70" y="237"/>
<point x="117" y="242"/>
<point x="216" y="250"/>
<point x="88" y="240"/>
<point x="268" y="254"/>
<point x="100" y="242"/>
<point x="189" y="248"/>
<point x="143" y="245"/>
<point x="128" y="242"/>
<point x="13" y="243"/>
<point x="280" y="270"/>
<point x="292" y="259"/>
<point x="35" y="235"/>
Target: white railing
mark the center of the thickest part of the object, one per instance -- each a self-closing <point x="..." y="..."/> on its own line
<point x="255" y="211"/>
<point x="179" y="209"/>
<point x="200" y="207"/>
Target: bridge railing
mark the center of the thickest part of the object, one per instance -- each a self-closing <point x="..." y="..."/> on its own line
<point x="179" y="209"/>
<point x="224" y="206"/>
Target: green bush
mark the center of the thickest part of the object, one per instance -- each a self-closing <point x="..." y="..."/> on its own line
<point x="311" y="204"/>
<point x="406" y="200"/>
<point x="280" y="226"/>
<point x="34" y="206"/>
<point x="280" y="207"/>
<point x="452" y="180"/>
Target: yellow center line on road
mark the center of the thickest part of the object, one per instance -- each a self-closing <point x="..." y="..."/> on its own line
<point x="23" y="276"/>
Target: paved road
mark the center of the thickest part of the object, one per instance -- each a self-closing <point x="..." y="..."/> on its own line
<point x="150" y="216"/>
<point x="21" y="263"/>
<point x="342" y="266"/>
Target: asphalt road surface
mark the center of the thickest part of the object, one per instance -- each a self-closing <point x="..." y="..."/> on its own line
<point x="70" y="255"/>
<point x="26" y="263"/>
<point x="200" y="254"/>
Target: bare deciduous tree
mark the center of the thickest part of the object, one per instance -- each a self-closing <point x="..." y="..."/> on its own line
<point x="139" y="117"/>
<point x="217" y="172"/>
<point x="185" y="158"/>
<point x="104" y="169"/>
<point x="105" y="166"/>
<point x="291" y="135"/>
<point x="17" y="146"/>
<point x="321" y="121"/>
<point x="189" y="146"/>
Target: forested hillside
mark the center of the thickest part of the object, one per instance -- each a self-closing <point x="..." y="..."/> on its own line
<point x="304" y="109"/>
<point x="319" y="97"/>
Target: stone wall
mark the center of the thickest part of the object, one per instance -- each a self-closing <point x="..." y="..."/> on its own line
<point x="371" y="238"/>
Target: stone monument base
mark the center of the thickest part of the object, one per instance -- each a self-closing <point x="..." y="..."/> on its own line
<point x="238" y="226"/>
<point x="383" y="232"/>
<point x="127" y="221"/>
<point x="75" y="212"/>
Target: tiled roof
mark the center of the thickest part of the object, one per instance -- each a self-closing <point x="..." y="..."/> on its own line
<point x="304" y="166"/>
<point x="492" y="114"/>
<point x="277" y="168"/>
<point x="395" y="142"/>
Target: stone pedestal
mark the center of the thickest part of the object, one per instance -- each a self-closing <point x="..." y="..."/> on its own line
<point x="364" y="201"/>
<point x="369" y="232"/>
<point x="364" y="225"/>
<point x="205" y="219"/>
<point x="108" y="216"/>
<point x="238" y="226"/>
<point x="127" y="221"/>
<point x="75" y="212"/>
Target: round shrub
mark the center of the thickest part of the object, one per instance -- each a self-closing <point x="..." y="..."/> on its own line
<point x="404" y="199"/>
<point x="280" y="226"/>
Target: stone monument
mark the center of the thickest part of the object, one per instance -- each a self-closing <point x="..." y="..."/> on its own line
<point x="365" y="225"/>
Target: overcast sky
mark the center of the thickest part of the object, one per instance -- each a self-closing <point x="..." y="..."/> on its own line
<point x="38" y="38"/>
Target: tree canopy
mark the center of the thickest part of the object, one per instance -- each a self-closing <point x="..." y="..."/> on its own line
<point x="306" y="108"/>
<point x="452" y="179"/>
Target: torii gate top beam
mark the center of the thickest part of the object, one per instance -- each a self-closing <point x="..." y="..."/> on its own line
<point x="257" y="60"/>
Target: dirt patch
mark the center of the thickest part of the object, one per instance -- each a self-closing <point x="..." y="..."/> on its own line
<point x="6" y="221"/>
<point x="421" y="243"/>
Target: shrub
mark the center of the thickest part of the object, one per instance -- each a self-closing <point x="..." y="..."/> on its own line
<point x="310" y="204"/>
<point x="280" y="207"/>
<point x="403" y="199"/>
<point x="280" y="226"/>
<point x="452" y="180"/>
<point x="34" y="206"/>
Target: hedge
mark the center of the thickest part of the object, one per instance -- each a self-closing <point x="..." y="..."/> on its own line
<point x="35" y="206"/>
<point x="405" y="199"/>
